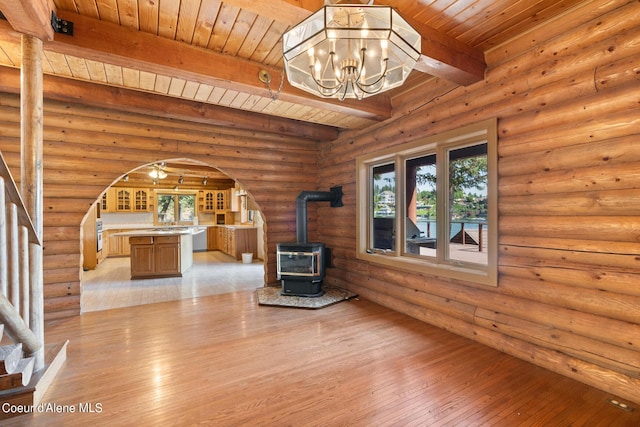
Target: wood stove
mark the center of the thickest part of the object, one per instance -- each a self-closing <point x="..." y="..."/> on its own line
<point x="301" y="268"/>
<point x="301" y="265"/>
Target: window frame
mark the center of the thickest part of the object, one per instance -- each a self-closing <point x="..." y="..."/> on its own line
<point x="175" y="194"/>
<point x="440" y="144"/>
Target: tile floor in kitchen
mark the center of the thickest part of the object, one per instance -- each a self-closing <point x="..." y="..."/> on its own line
<point x="110" y="286"/>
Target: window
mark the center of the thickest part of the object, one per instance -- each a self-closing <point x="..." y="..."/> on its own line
<point x="431" y="205"/>
<point x="175" y="208"/>
<point x="384" y="206"/>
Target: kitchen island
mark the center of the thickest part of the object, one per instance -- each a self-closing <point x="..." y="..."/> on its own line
<point x="161" y="252"/>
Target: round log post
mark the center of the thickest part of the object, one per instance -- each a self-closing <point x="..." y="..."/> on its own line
<point x="31" y="131"/>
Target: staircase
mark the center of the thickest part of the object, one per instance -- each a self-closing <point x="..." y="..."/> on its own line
<point x="15" y="370"/>
<point x="27" y="368"/>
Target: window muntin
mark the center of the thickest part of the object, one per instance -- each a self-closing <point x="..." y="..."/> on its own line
<point x="447" y="179"/>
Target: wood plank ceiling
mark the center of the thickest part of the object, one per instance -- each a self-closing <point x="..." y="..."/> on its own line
<point x="211" y="51"/>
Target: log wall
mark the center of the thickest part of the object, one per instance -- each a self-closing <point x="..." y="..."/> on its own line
<point x="567" y="99"/>
<point x="86" y="149"/>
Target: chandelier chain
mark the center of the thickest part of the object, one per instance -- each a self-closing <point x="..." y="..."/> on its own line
<point x="267" y="83"/>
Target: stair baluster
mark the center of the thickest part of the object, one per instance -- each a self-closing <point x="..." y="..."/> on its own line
<point x="16" y="235"/>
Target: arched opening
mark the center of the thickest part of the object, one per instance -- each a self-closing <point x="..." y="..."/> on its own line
<point x="172" y="195"/>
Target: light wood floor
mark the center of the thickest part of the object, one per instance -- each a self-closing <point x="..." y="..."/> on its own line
<point x="213" y="272"/>
<point x="223" y="360"/>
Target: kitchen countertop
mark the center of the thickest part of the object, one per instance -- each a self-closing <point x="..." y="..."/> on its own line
<point x="162" y="231"/>
<point x="138" y="226"/>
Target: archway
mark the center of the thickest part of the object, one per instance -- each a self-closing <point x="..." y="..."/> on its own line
<point x="179" y="175"/>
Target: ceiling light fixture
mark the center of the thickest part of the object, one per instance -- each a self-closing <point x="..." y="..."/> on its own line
<point x="180" y="180"/>
<point x="350" y="51"/>
<point x="157" y="173"/>
<point x="204" y="181"/>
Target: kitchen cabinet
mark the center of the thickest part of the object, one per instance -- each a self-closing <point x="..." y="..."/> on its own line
<point x="224" y="217"/>
<point x="212" y="238"/>
<point x="105" y="249"/>
<point x="217" y="202"/>
<point x="214" y="201"/>
<point x="107" y="245"/>
<point x="167" y="255"/>
<point x="108" y="201"/>
<point x="235" y="204"/>
<point x="160" y="255"/>
<point x="233" y="240"/>
<point x="123" y="199"/>
<point x="141" y="200"/>
<point x="142" y="257"/>
<point x="116" y="245"/>
<point x="245" y="240"/>
<point x="230" y="242"/>
<point x="155" y="256"/>
<point x="207" y="201"/>
<point x="222" y="200"/>
<point x="221" y="237"/>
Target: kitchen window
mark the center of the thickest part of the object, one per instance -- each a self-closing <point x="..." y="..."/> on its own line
<point x="173" y="208"/>
<point x="431" y="205"/>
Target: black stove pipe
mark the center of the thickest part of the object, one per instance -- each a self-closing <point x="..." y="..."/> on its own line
<point x="334" y="195"/>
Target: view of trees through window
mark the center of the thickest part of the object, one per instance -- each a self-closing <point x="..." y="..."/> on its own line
<point x="176" y="208"/>
<point x="466" y="194"/>
<point x="430" y="205"/>
<point x="468" y="203"/>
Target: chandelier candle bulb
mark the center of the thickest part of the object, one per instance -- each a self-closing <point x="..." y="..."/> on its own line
<point x="312" y="57"/>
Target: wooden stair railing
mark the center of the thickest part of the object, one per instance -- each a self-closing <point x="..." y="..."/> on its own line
<point x="16" y="234"/>
<point x="15" y="370"/>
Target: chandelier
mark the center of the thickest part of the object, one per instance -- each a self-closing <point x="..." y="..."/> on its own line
<point x="350" y="51"/>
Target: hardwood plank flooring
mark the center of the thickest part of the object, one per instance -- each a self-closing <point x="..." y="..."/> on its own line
<point x="224" y="360"/>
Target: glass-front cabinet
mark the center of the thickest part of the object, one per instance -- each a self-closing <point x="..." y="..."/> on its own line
<point x="141" y="200"/>
<point x="123" y="199"/>
<point x="209" y="204"/>
<point x="221" y="200"/>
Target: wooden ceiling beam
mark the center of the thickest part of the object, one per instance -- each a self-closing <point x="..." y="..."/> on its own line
<point x="113" y="44"/>
<point x="102" y="96"/>
<point x="32" y="17"/>
<point x="447" y="58"/>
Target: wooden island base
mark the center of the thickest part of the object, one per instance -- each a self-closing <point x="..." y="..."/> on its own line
<point x="160" y="255"/>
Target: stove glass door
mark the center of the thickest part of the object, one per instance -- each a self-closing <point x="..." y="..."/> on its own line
<point x="298" y="264"/>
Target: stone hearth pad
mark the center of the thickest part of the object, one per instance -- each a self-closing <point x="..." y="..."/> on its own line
<point x="272" y="296"/>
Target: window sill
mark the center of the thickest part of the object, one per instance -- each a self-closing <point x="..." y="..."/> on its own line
<point x="481" y="276"/>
